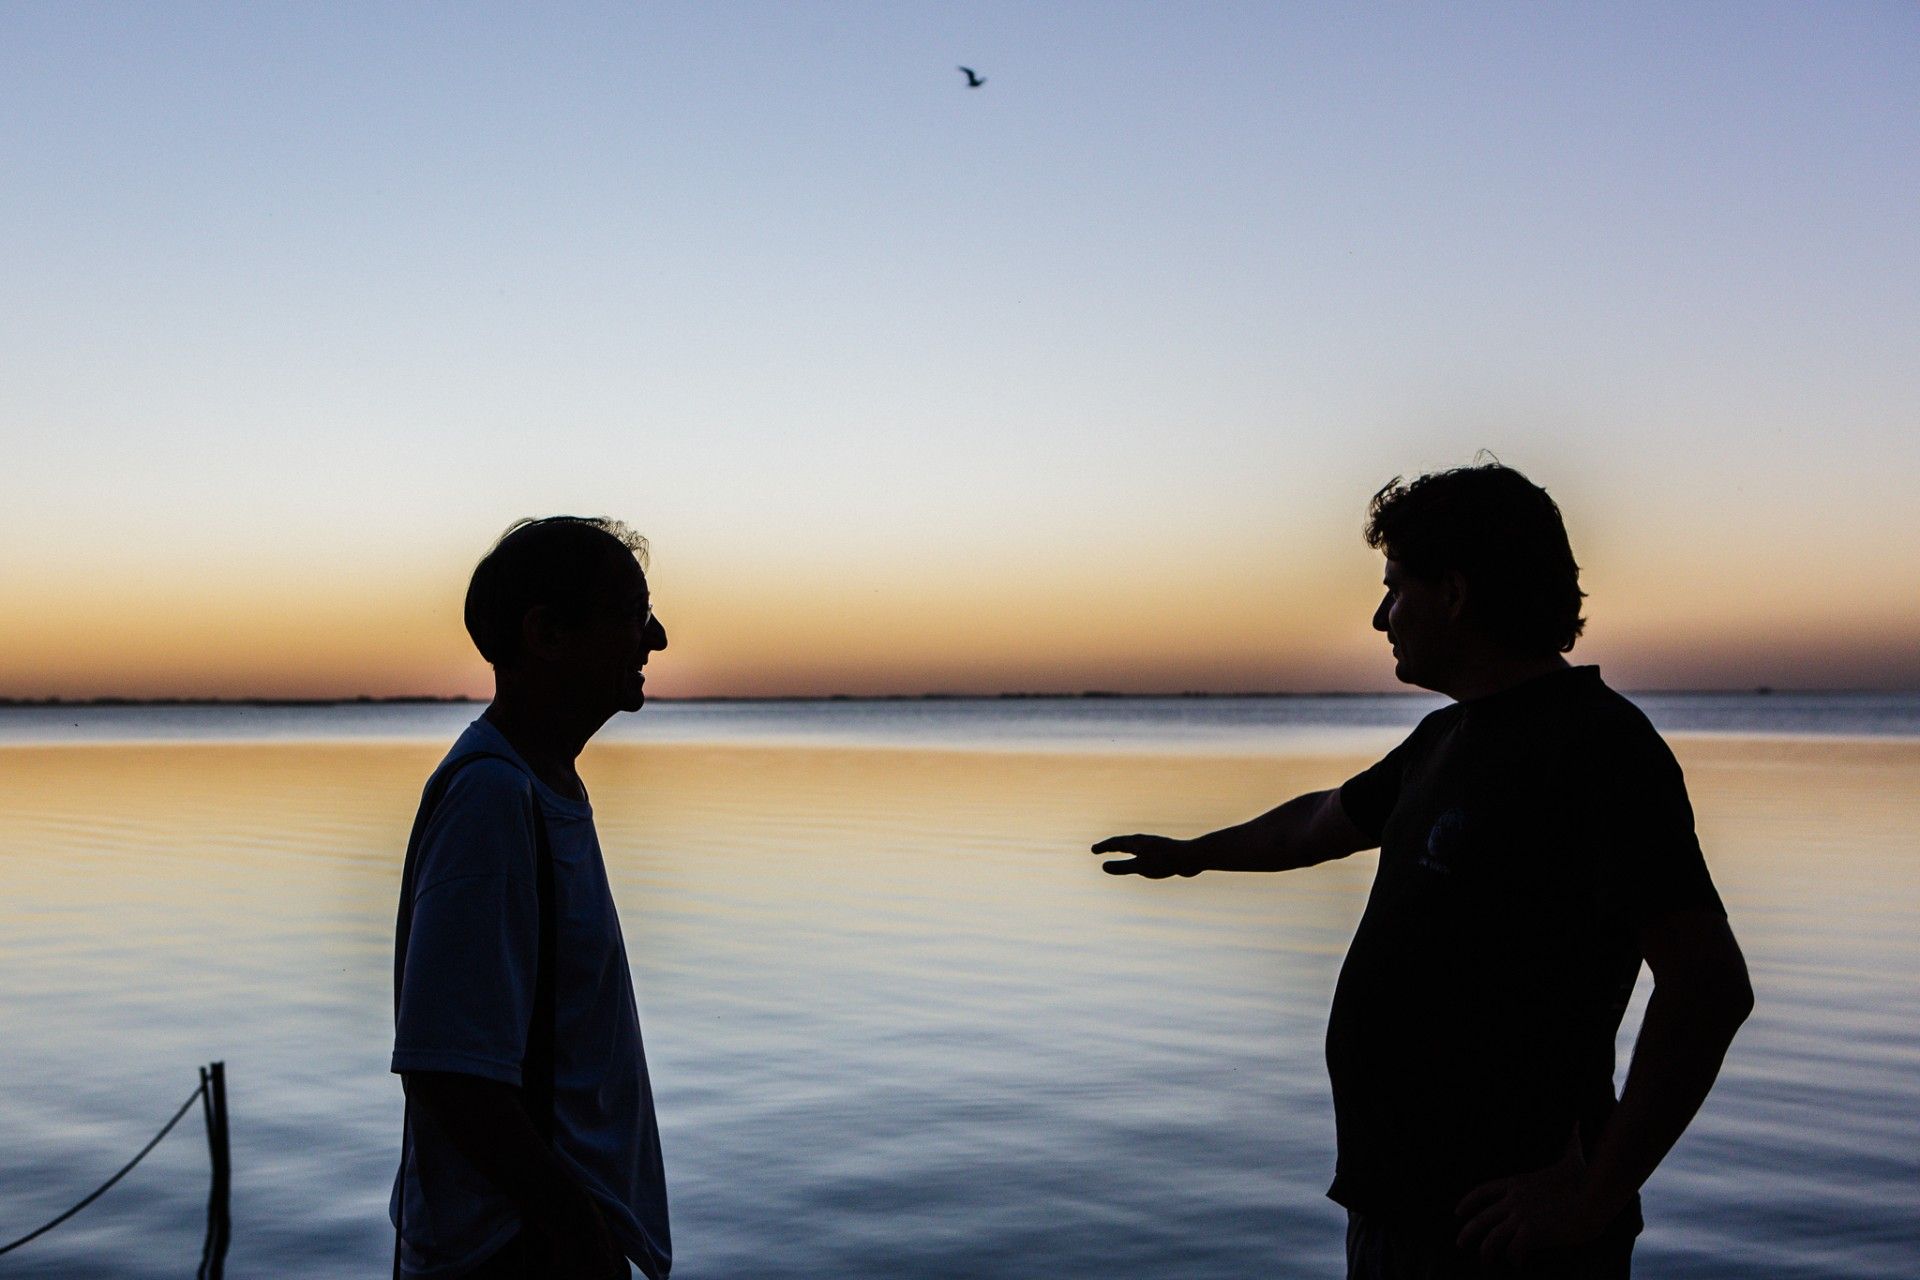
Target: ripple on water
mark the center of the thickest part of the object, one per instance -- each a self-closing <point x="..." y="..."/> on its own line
<point x="900" y="1023"/>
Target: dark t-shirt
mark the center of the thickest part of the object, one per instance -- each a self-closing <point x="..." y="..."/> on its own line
<point x="1525" y="839"/>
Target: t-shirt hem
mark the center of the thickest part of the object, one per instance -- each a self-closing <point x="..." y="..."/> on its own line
<point x="1628" y="1223"/>
<point x="468" y="1261"/>
<point x="1403" y="1210"/>
<point x="653" y="1264"/>
<point x="625" y="1222"/>
<point x="640" y="1250"/>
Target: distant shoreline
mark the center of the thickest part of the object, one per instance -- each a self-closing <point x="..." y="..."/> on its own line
<point x="1086" y="695"/>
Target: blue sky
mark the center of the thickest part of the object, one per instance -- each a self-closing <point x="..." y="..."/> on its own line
<point x="306" y="302"/>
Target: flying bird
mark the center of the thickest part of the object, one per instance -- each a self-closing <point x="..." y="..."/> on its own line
<point x="973" y="81"/>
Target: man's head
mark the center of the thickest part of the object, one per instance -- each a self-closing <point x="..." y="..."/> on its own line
<point x="1478" y="569"/>
<point x="564" y="601"/>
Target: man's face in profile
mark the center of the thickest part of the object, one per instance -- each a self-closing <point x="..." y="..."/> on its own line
<point x="610" y="649"/>
<point x="1417" y="617"/>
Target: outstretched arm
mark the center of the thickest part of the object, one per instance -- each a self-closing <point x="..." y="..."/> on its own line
<point x="1700" y="997"/>
<point x="1307" y="829"/>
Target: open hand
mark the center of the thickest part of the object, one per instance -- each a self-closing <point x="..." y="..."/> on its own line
<point x="1155" y="857"/>
<point x="1546" y="1209"/>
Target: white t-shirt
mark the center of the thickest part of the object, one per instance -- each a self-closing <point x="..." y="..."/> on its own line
<point x="466" y="995"/>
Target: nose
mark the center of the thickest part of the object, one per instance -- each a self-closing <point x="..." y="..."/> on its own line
<point x="1380" y="617"/>
<point x="656" y="634"/>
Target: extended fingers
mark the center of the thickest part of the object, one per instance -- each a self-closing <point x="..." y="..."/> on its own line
<point x="1488" y="1208"/>
<point x="1480" y="1225"/>
<point x="1153" y="856"/>
<point x="1136" y="867"/>
<point x="1500" y="1241"/>
<point x="1482" y="1196"/>
<point x="1119" y="844"/>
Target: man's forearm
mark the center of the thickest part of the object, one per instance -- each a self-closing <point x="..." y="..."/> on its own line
<point x="1683" y="1041"/>
<point x="486" y="1122"/>
<point x="1300" y="833"/>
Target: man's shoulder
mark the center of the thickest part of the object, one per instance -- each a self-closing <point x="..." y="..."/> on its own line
<point x="1602" y="744"/>
<point x="1581" y="707"/>
<point x="477" y="818"/>
<point x="1577" y="733"/>
<point x="470" y="785"/>
<point x="478" y="773"/>
<point x="1616" y="722"/>
<point x="479" y="765"/>
<point x="1433" y="727"/>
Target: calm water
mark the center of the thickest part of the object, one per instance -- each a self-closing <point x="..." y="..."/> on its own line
<point x="900" y="1024"/>
<point x="1231" y="725"/>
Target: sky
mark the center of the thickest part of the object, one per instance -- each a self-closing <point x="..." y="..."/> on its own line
<point x="1079" y="380"/>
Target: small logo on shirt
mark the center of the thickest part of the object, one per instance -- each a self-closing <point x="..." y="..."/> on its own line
<point x="1443" y="842"/>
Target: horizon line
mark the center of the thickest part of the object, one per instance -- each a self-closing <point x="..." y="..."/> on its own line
<point x="428" y="699"/>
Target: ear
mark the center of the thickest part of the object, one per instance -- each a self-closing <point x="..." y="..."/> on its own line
<point x="1453" y="594"/>
<point x="539" y="632"/>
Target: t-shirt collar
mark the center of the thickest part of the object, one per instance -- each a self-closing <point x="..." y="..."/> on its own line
<point x="1550" y="684"/>
<point x="483" y="735"/>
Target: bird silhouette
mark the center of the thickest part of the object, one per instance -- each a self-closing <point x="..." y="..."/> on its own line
<point x="973" y="81"/>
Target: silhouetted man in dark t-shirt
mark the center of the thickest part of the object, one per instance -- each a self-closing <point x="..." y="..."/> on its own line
<point x="529" y="1145"/>
<point x="1536" y="845"/>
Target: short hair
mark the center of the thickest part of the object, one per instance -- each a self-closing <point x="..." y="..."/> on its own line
<point x="556" y="562"/>
<point x="1500" y="532"/>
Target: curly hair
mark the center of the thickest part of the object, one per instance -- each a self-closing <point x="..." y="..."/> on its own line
<point x="556" y="562"/>
<point x="1502" y="534"/>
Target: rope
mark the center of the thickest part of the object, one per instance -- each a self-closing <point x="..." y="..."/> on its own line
<point x="102" y="1189"/>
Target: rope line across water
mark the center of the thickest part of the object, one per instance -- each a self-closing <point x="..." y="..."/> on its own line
<point x="102" y="1188"/>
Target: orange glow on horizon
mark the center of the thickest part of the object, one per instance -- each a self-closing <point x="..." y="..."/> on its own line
<point x="957" y="630"/>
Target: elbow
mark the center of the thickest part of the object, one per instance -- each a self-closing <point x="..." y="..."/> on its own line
<point x="1740" y="998"/>
<point x="1714" y="1004"/>
<point x="1726" y="1002"/>
<point x="1697" y="965"/>
<point x="1725" y="999"/>
<point x="1734" y="989"/>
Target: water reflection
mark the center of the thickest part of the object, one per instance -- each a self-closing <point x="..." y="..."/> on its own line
<point x="899" y="1022"/>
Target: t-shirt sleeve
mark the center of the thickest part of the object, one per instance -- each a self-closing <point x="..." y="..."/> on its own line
<point x="1651" y="855"/>
<point x="466" y="992"/>
<point x="1369" y="796"/>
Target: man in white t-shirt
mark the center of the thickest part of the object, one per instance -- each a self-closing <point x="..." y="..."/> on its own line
<point x="530" y="1146"/>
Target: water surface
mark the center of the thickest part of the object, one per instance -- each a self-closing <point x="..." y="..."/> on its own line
<point x="899" y="1023"/>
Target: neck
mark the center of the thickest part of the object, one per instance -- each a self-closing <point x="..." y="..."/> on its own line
<point x="538" y="727"/>
<point x="1499" y="675"/>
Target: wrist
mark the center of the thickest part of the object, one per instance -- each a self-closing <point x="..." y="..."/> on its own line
<point x="1595" y="1211"/>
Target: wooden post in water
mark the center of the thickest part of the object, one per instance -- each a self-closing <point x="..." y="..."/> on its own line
<point x="213" y="1102"/>
<point x="206" y="1114"/>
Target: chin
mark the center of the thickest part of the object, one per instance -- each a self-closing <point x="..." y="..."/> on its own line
<point x="1408" y="675"/>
